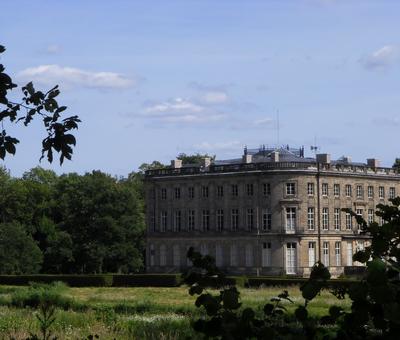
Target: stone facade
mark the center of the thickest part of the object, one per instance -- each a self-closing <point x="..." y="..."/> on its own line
<point x="272" y="212"/>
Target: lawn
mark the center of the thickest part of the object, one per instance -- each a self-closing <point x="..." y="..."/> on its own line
<point x="129" y="313"/>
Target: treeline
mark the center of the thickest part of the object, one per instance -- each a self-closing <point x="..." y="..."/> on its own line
<point x="91" y="223"/>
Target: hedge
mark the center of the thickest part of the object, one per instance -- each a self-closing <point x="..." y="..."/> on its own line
<point x="147" y="280"/>
<point x="286" y="281"/>
<point x="71" y="280"/>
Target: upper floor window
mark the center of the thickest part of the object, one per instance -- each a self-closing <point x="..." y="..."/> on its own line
<point x="290" y="219"/>
<point x="204" y="191"/>
<point x="220" y="219"/>
<point x="206" y="220"/>
<point x="235" y="219"/>
<point x="191" y="220"/>
<point x="359" y="191"/>
<point x="177" y="193"/>
<point x="349" y="221"/>
<point x="163" y="194"/>
<point x="381" y="192"/>
<point x="324" y="189"/>
<point x="370" y="191"/>
<point x="234" y="190"/>
<point x="311" y="218"/>
<point x="220" y="191"/>
<point x="392" y="192"/>
<point x="164" y="221"/>
<point x="177" y="220"/>
<point x="250" y="189"/>
<point x="267" y="189"/>
<point x="336" y="190"/>
<point x="191" y="192"/>
<point x="310" y="188"/>
<point x="336" y="219"/>
<point x="348" y="190"/>
<point x="250" y="219"/>
<point x="325" y="218"/>
<point x="359" y="212"/>
<point x="267" y="221"/>
<point x="371" y="215"/>
<point x="290" y="188"/>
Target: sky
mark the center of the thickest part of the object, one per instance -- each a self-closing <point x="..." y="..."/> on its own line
<point x="152" y="79"/>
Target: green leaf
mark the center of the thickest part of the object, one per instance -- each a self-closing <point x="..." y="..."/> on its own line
<point x="301" y="313"/>
<point x="10" y="147"/>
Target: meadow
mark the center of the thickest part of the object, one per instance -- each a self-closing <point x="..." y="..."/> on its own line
<point x="126" y="313"/>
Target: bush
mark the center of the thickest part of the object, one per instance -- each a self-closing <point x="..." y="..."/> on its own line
<point x="70" y="280"/>
<point x="147" y="280"/>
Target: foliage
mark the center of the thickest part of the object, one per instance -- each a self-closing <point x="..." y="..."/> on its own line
<point x="35" y="103"/>
<point x="194" y="159"/>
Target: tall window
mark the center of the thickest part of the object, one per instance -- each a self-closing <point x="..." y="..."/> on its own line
<point x="235" y="219"/>
<point x="234" y="190"/>
<point x="266" y="254"/>
<point x="381" y="192"/>
<point x="347" y="189"/>
<point x="267" y="221"/>
<point x="233" y="255"/>
<point x="325" y="254"/>
<point x="206" y="220"/>
<point x="291" y="258"/>
<point x="191" y="192"/>
<point x="370" y="215"/>
<point x="176" y="255"/>
<point x="220" y="219"/>
<point x="359" y="191"/>
<point x="370" y="191"/>
<point x="336" y="219"/>
<point x="338" y="255"/>
<point x="191" y="220"/>
<point x="349" y="254"/>
<point x="220" y="191"/>
<point x="267" y="189"/>
<point x="204" y="191"/>
<point x="290" y="219"/>
<point x="250" y="219"/>
<point x="311" y="218"/>
<point x="163" y="194"/>
<point x="392" y="192"/>
<point x="163" y="255"/>
<point x="311" y="254"/>
<point x="249" y="255"/>
<point x="218" y="255"/>
<point x="177" y="220"/>
<point x="349" y="224"/>
<point x="290" y="188"/>
<point x="310" y="188"/>
<point x="177" y="193"/>
<point x="336" y="190"/>
<point x="250" y="189"/>
<point x="164" y="221"/>
<point x="325" y="218"/>
<point x="324" y="189"/>
<point x="359" y="212"/>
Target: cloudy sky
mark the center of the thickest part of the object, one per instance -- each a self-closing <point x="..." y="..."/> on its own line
<point x="151" y="79"/>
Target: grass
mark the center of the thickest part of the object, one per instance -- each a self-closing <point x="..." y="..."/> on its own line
<point x="126" y="313"/>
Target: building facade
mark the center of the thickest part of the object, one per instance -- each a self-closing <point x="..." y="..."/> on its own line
<point x="270" y="212"/>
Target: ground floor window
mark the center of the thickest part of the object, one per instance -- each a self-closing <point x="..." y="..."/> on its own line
<point x="291" y="258"/>
<point x="163" y="255"/>
<point x="266" y="254"/>
<point x="349" y="253"/>
<point x="249" y="255"/>
<point x="311" y="254"/>
<point x="176" y="255"/>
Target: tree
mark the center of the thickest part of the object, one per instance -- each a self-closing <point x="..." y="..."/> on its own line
<point x="35" y="103"/>
<point x="193" y="159"/>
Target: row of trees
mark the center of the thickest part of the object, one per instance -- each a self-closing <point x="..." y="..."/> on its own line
<point x="90" y="223"/>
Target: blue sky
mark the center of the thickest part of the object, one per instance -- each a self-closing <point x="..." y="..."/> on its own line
<point x="151" y="79"/>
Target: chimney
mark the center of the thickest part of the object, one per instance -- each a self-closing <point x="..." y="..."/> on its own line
<point x="176" y="163"/>
<point x="373" y="162"/>
<point x="275" y="156"/>
<point x="247" y="158"/>
<point x="206" y="162"/>
<point x="347" y="159"/>
<point x="324" y="158"/>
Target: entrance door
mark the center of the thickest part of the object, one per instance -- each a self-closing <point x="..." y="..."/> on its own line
<point x="291" y="258"/>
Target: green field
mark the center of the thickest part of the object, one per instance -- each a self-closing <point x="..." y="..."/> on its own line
<point x="128" y="313"/>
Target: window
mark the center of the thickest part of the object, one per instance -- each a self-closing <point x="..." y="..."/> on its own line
<point x="324" y="189"/>
<point x="311" y="254"/>
<point x="177" y="220"/>
<point x="204" y="191"/>
<point x="206" y="220"/>
<point x="191" y="192"/>
<point x="359" y="212"/>
<point x="310" y="188"/>
<point x="152" y="223"/>
<point x="381" y="192"/>
<point x="336" y="190"/>
<point x="349" y="253"/>
<point x="234" y="190"/>
<point x="151" y="254"/>
<point x="233" y="255"/>
<point x="336" y="219"/>
<point x="359" y="191"/>
<point x="291" y="189"/>
<point x="203" y="249"/>
<point x="370" y="215"/>
<point x="392" y="192"/>
<point x="250" y="189"/>
<point x="325" y="254"/>
<point x="291" y="258"/>
<point x="191" y="220"/>
<point x="267" y="189"/>
<point x="290" y="219"/>
<point x="163" y="194"/>
<point x="220" y="220"/>
<point x="349" y="224"/>
<point x="267" y="221"/>
<point x="311" y="218"/>
<point x="163" y="255"/>
<point x="164" y="221"/>
<point x="235" y="219"/>
<point x="266" y="254"/>
<point x="249" y="255"/>
<point x="218" y="255"/>
<point x="220" y="191"/>
<point x="348" y="190"/>
<point x="338" y="256"/>
<point x="177" y="193"/>
<point x="325" y="218"/>
<point x="370" y="191"/>
<point x="176" y="256"/>
<point x="250" y="219"/>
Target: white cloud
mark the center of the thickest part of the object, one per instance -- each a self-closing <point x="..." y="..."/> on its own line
<point x="174" y="105"/>
<point x="382" y="58"/>
<point x="215" y="97"/>
<point x="264" y="122"/>
<point x="219" y="146"/>
<point x="69" y="77"/>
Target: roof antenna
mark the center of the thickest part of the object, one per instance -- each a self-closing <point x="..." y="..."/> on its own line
<point x="314" y="147"/>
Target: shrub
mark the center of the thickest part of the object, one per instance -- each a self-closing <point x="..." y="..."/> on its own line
<point x="147" y="280"/>
<point x="105" y="280"/>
